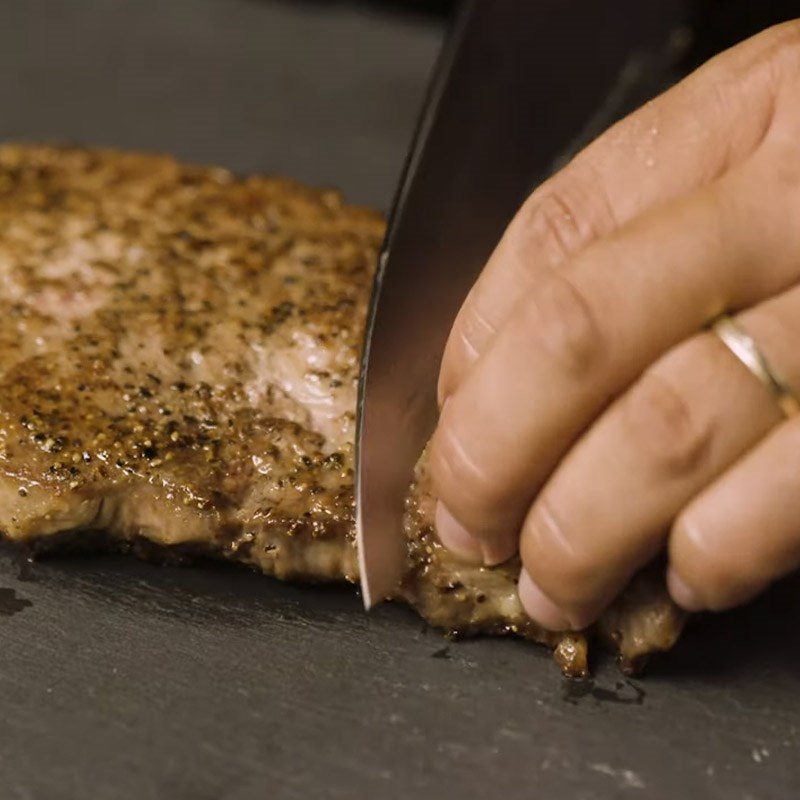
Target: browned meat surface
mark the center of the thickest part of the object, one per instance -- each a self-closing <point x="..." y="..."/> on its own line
<point x="178" y="364"/>
<point x="179" y="357"/>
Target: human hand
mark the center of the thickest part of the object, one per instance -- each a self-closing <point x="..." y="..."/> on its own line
<point x="589" y="417"/>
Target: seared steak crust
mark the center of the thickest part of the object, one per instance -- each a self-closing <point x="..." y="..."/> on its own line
<point x="179" y="356"/>
<point x="178" y="364"/>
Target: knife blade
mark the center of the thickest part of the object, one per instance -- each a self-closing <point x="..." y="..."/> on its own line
<point x="516" y="84"/>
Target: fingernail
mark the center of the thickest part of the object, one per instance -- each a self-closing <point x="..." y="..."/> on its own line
<point x="455" y="537"/>
<point x="539" y="607"/>
<point x="682" y="593"/>
<point x="495" y="553"/>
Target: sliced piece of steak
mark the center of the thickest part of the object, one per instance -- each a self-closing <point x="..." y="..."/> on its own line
<point x="178" y="363"/>
<point x="469" y="599"/>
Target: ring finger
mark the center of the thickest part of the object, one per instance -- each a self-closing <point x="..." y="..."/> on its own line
<point x="605" y="511"/>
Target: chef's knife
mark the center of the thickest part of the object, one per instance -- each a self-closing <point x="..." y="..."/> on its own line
<point x="519" y="83"/>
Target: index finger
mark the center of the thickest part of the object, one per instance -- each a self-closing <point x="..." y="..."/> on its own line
<point x="674" y="144"/>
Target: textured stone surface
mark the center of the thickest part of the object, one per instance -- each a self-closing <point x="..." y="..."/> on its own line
<point x="132" y="682"/>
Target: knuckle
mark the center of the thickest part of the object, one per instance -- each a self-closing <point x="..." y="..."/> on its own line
<point x="561" y="318"/>
<point x="475" y="328"/>
<point x="724" y="95"/>
<point x="457" y="478"/>
<point x="461" y="352"/>
<point x="783" y="43"/>
<point x="773" y="54"/>
<point x="565" y="213"/>
<point x="553" y="222"/>
<point x="664" y="424"/>
<point x="747" y="80"/>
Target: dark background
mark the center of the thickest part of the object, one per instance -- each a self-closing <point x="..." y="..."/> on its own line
<point x="129" y="681"/>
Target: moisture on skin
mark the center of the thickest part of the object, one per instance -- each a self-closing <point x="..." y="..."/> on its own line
<point x="179" y="354"/>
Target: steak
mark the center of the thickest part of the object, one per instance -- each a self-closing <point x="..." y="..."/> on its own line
<point x="179" y="354"/>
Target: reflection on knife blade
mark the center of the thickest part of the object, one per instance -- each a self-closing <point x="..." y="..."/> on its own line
<point x="516" y="81"/>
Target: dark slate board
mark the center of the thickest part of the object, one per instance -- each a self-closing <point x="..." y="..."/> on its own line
<point x="129" y="681"/>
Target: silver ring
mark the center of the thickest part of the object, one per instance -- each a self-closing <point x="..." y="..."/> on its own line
<point x="744" y="347"/>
